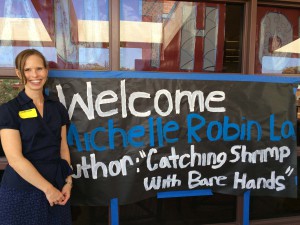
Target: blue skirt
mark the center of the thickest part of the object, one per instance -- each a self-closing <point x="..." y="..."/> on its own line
<point x="31" y="207"/>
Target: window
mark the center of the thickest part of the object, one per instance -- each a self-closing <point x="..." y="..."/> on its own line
<point x="166" y="36"/>
<point x="277" y="40"/>
<point x="71" y="34"/>
<point x="276" y="52"/>
<point x="180" y="36"/>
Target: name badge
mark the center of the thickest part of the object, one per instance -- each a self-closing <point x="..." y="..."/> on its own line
<point x="29" y="113"/>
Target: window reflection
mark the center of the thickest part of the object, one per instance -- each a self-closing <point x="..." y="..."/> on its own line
<point x="278" y="40"/>
<point x="9" y="88"/>
<point x="178" y="36"/>
<point x="72" y="34"/>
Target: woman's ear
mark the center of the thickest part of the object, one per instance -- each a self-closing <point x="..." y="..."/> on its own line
<point x="19" y="74"/>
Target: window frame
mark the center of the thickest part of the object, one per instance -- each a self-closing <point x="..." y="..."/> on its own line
<point x="248" y="64"/>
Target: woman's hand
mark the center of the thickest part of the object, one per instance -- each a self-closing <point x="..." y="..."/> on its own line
<point x="54" y="196"/>
<point x="66" y="191"/>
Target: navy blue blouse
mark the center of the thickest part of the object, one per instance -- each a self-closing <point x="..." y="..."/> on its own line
<point x="40" y="137"/>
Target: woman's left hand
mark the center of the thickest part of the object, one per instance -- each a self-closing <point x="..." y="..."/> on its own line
<point x="66" y="191"/>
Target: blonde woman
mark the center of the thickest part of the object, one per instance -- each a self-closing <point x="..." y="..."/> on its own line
<point x="36" y="183"/>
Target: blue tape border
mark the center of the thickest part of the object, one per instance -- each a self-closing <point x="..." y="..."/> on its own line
<point x="246" y="207"/>
<point x="114" y="209"/>
<point x="180" y="194"/>
<point x="114" y="212"/>
<point x="172" y="76"/>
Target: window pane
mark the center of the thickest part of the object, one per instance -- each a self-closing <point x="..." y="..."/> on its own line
<point x="278" y="40"/>
<point x="180" y="36"/>
<point x="71" y="34"/>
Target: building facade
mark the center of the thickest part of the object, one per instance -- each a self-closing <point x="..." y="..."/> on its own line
<point x="224" y="37"/>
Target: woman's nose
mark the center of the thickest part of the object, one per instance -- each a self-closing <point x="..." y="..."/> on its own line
<point x="35" y="72"/>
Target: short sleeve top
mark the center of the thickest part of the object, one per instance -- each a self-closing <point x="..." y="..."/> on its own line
<point x="40" y="137"/>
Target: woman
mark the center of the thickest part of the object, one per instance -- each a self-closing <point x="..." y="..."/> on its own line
<point x="36" y="184"/>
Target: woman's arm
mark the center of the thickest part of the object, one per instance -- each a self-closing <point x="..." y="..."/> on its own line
<point x="65" y="154"/>
<point x="11" y="142"/>
<point x="64" y="148"/>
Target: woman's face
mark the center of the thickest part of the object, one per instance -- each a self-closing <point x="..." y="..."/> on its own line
<point x="35" y="72"/>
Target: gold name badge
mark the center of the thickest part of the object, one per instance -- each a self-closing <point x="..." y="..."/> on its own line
<point x="29" y="113"/>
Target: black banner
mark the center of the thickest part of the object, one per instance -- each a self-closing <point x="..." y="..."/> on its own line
<point x="131" y="138"/>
